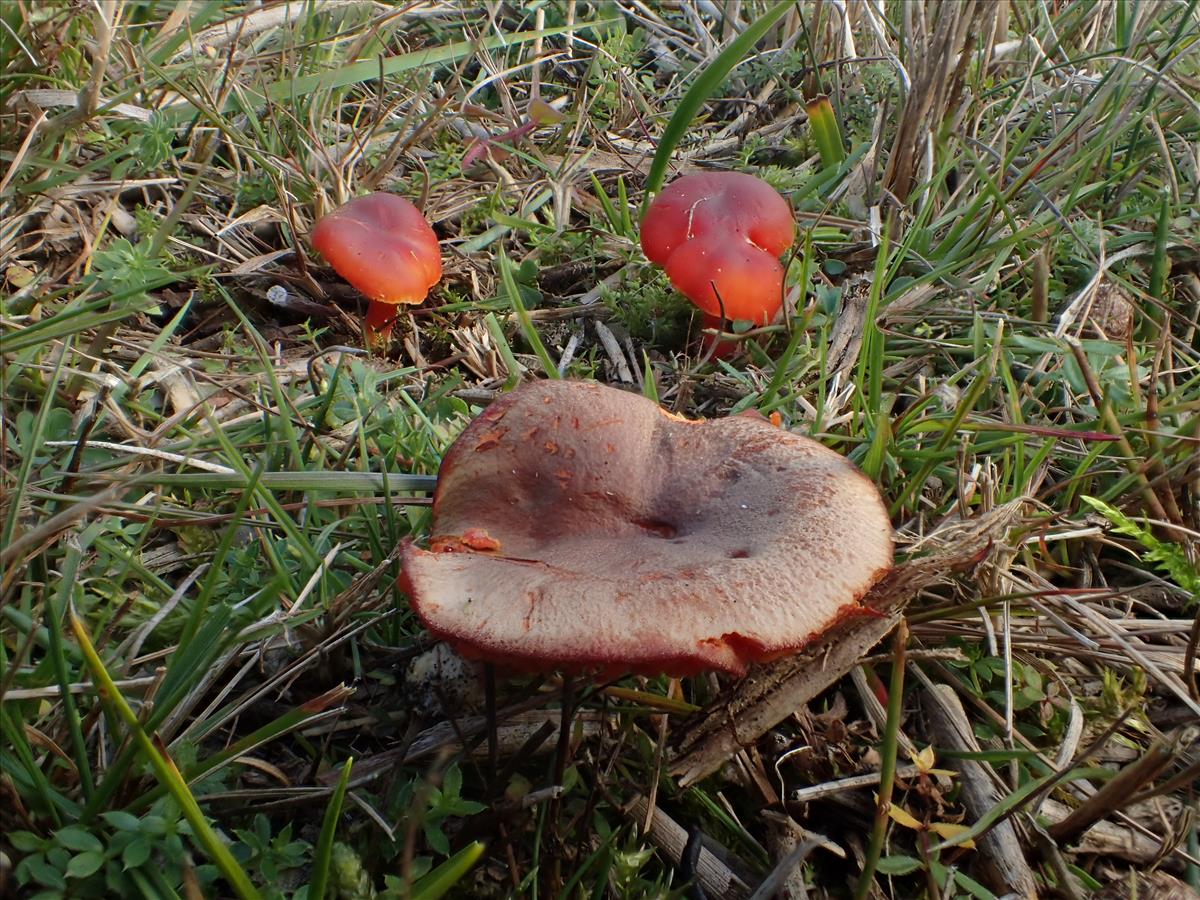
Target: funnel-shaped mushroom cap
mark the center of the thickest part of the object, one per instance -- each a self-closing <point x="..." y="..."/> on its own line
<point x="581" y="527"/>
<point x="382" y="245"/>
<point x="726" y="229"/>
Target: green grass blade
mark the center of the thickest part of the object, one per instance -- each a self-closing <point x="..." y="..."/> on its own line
<point x="523" y="319"/>
<point x="1160" y="265"/>
<point x="324" y="855"/>
<point x="16" y="491"/>
<point x="201" y="612"/>
<point x="306" y="715"/>
<point x="449" y="873"/>
<point x="161" y="339"/>
<point x="20" y="764"/>
<point x="485" y="239"/>
<point x="1014" y="801"/>
<point x="165" y="770"/>
<point x="881" y="439"/>
<point x="869" y="372"/>
<point x="300" y="717"/>
<point x="292" y="89"/>
<point x="888" y="751"/>
<point x="600" y="854"/>
<point x="649" y="385"/>
<point x="371" y="69"/>
<point x="332" y="482"/>
<point x="606" y="204"/>
<point x="56" y="612"/>
<point x="826" y="133"/>
<point x="784" y="364"/>
<point x="91" y="315"/>
<point x="702" y="88"/>
<point x="506" y="355"/>
<point x="195" y="656"/>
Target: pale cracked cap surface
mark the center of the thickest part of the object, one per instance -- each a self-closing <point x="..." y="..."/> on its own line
<point x="578" y="526"/>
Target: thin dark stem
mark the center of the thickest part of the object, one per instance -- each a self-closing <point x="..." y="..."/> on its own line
<point x="560" y="768"/>
<point x="887" y="768"/>
<point x="489" y="696"/>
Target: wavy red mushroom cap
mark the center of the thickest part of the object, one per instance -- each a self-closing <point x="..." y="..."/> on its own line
<point x="726" y="229"/>
<point x="383" y="246"/>
<point x="580" y="527"/>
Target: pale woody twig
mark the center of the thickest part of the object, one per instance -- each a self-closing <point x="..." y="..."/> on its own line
<point x="164" y="455"/>
<point x="854" y="782"/>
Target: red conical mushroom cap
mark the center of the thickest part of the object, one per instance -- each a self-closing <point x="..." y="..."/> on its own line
<point x="382" y="245"/>
<point x="577" y="526"/>
<point x="726" y="229"/>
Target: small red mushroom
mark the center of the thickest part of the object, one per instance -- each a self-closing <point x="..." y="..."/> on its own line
<point x="583" y="528"/>
<point x="383" y="246"/>
<point x="722" y="230"/>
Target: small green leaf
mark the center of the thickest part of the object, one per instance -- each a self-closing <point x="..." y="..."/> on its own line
<point x="122" y="820"/>
<point x="154" y="825"/>
<point x="26" y="841"/>
<point x="649" y="385"/>
<point x="898" y="865"/>
<point x="136" y="853"/>
<point x="437" y="841"/>
<point x="85" y="864"/>
<point x="972" y="887"/>
<point x="460" y="807"/>
<point x="75" y="837"/>
<point x="452" y="782"/>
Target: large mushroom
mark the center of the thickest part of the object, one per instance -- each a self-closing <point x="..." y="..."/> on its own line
<point x="580" y="527"/>
<point x="719" y="235"/>
<point x="382" y="245"/>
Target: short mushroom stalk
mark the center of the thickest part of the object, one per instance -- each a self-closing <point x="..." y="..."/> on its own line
<point x="715" y="346"/>
<point x="385" y="248"/>
<point x="379" y="321"/>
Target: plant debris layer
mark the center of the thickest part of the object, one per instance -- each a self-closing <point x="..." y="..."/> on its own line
<point x="211" y="680"/>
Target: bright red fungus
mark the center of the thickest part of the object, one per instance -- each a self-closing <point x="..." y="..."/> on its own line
<point x="382" y="245"/>
<point x="722" y="229"/>
<point x="580" y="527"/>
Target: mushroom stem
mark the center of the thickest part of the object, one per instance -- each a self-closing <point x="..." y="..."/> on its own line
<point x="380" y="318"/>
<point x="721" y="348"/>
<point x="561" y="755"/>
<point x="493" y="748"/>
